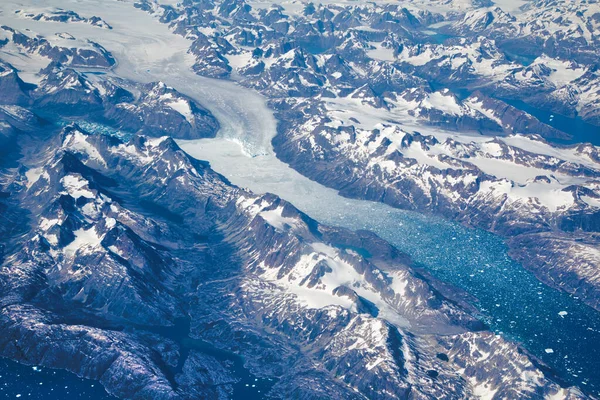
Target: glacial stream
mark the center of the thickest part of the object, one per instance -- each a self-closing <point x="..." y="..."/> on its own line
<point x="555" y="327"/>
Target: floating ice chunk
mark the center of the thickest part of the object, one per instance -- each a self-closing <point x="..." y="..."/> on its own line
<point x="562" y="313"/>
<point x="549" y="351"/>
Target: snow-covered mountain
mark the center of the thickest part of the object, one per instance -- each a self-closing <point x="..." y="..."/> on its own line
<point x="125" y="260"/>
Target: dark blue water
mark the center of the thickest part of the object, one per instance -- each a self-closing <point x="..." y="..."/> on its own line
<point x="555" y="326"/>
<point x="581" y="131"/>
<point x="437" y="38"/>
<point x="524" y="60"/>
<point x="19" y="381"/>
<point x="248" y="386"/>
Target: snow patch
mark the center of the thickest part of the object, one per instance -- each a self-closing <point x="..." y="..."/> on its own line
<point x="84" y="240"/>
<point x="77" y="186"/>
<point x="276" y="220"/>
<point x="182" y="107"/>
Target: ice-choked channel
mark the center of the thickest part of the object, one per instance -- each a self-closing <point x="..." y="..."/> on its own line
<point x="511" y="300"/>
<point x="554" y="326"/>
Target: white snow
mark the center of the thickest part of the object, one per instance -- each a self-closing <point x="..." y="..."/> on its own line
<point x="510" y="5"/>
<point x="239" y="60"/>
<point x="116" y="250"/>
<point x="482" y="390"/>
<point x="491" y="148"/>
<point x="46" y="224"/>
<point x="594" y="202"/>
<point x="27" y="64"/>
<point x="563" y="72"/>
<point x="380" y="53"/>
<point x="33" y="175"/>
<point x="84" y="239"/>
<point x="478" y="106"/>
<point x="316" y="297"/>
<point x="399" y="283"/>
<point x="537" y="145"/>
<point x="444" y="103"/>
<point x="342" y="274"/>
<point x="152" y="51"/>
<point x="77" y="186"/>
<point x="507" y="169"/>
<point x="182" y="107"/>
<point x="249" y="204"/>
<point x="549" y="195"/>
<point x="78" y="141"/>
<point x="275" y="219"/>
<point x="416" y="151"/>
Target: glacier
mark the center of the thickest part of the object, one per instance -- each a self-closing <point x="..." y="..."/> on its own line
<point x="511" y="300"/>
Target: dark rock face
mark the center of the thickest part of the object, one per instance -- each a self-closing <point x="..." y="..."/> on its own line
<point x="334" y="54"/>
<point x="66" y="91"/>
<point x="65" y="16"/>
<point x="159" y="110"/>
<point x="518" y="121"/>
<point x="528" y="35"/>
<point x="14" y="90"/>
<point x="153" y="109"/>
<point x="572" y="258"/>
<point x="458" y="192"/>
